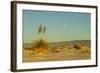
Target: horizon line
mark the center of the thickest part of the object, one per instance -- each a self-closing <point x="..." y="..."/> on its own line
<point x="66" y="41"/>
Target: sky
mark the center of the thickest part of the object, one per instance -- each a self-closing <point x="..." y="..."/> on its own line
<point x="60" y="26"/>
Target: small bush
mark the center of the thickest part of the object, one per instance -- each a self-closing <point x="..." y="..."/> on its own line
<point x="77" y="46"/>
<point x="54" y="50"/>
<point x="40" y="44"/>
<point x="85" y="50"/>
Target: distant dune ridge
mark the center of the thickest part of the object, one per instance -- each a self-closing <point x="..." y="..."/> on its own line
<point x="83" y="42"/>
<point x="66" y="50"/>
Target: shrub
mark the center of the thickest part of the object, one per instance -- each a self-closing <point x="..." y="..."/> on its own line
<point x="40" y="44"/>
<point x="77" y="46"/>
<point x="54" y="50"/>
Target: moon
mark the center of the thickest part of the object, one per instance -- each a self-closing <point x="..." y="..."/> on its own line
<point x="64" y="26"/>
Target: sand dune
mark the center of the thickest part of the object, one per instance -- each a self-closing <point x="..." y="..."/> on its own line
<point x="57" y="51"/>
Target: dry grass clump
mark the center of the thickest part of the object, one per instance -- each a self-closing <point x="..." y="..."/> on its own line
<point x="40" y="47"/>
<point x="82" y="49"/>
<point x="77" y="46"/>
<point x="85" y="50"/>
<point x="40" y="44"/>
<point x="54" y="50"/>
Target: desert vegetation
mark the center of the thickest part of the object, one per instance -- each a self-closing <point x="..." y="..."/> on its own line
<point x="40" y="50"/>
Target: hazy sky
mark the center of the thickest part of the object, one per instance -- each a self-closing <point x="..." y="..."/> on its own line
<point x="61" y="26"/>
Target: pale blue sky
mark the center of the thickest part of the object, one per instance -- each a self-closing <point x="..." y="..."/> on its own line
<point x="61" y="26"/>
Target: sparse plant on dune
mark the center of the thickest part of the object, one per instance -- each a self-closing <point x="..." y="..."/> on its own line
<point x="40" y="44"/>
<point x="85" y="50"/>
<point x="77" y="46"/>
<point x="54" y="50"/>
<point x="40" y="47"/>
